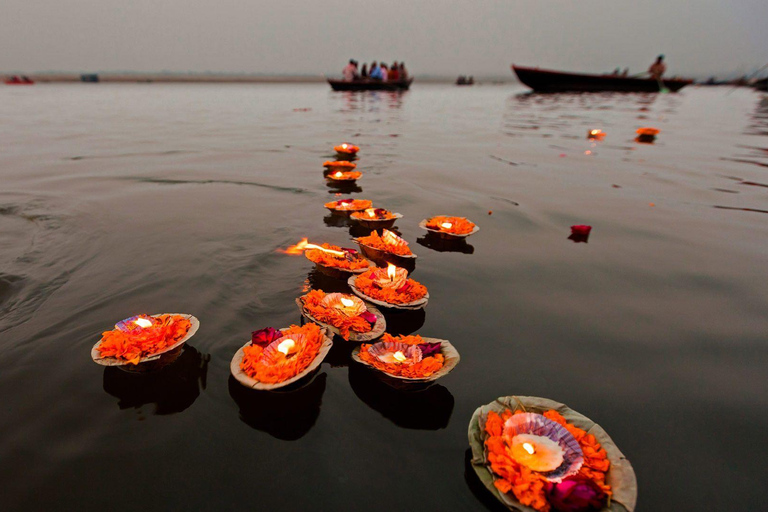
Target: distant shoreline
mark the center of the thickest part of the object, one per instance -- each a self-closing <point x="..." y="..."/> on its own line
<point x="215" y="78"/>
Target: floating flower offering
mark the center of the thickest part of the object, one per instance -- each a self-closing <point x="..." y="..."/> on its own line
<point x="449" y="227"/>
<point x="346" y="149"/>
<point x="342" y="164"/>
<point x="540" y="454"/>
<point x="595" y="135"/>
<point x="348" y="205"/>
<point x="140" y="338"/>
<point x="339" y="258"/>
<point x="344" y="314"/>
<point x="375" y="218"/>
<point x="275" y="358"/>
<point x="344" y="176"/>
<point x="390" y="287"/>
<point x="646" y="135"/>
<point x="409" y="357"/>
<point x="388" y="242"/>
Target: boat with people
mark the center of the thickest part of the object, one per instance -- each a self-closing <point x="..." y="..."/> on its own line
<point x="19" y="80"/>
<point x="544" y="80"/>
<point x="370" y="85"/>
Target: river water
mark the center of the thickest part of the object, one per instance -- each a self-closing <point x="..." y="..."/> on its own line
<point x="118" y="199"/>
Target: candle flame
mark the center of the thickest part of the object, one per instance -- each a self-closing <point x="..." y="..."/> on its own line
<point x="304" y="245"/>
<point x="143" y="322"/>
<point x="371" y="212"/>
<point x="285" y="346"/>
<point x="529" y="448"/>
<point x="399" y="356"/>
<point x="347" y="302"/>
<point x="595" y="132"/>
<point x="344" y="146"/>
<point x="338" y="174"/>
<point x="391" y="271"/>
<point x="447" y="225"/>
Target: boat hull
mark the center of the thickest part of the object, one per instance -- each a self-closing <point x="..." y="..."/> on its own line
<point x="541" y="80"/>
<point x="370" y="85"/>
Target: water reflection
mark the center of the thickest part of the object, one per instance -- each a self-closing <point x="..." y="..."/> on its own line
<point x="371" y="101"/>
<point x="172" y="389"/>
<point x="401" y="321"/>
<point x="286" y="414"/>
<point x="318" y="280"/>
<point x="343" y="187"/>
<point x="429" y="409"/>
<point x="438" y="244"/>
<point x="338" y="221"/>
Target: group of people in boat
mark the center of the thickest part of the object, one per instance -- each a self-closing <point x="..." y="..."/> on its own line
<point x="16" y="79"/>
<point x="381" y="72"/>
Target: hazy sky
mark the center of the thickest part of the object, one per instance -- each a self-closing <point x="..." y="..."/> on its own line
<point x="450" y="37"/>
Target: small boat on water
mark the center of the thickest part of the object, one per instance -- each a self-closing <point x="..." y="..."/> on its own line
<point x="463" y="80"/>
<point x="19" y="80"/>
<point x="369" y="85"/>
<point x="762" y="85"/>
<point x="542" y="80"/>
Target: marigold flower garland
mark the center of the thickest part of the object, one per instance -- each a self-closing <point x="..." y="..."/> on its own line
<point x="377" y="242"/>
<point x="313" y="303"/>
<point x="531" y="488"/>
<point x="253" y="365"/>
<point x="458" y="225"/>
<point x="411" y="291"/>
<point x="432" y="361"/>
<point x="132" y="346"/>
<point x="328" y="259"/>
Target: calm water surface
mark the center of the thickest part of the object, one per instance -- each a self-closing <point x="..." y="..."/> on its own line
<point x="120" y="199"/>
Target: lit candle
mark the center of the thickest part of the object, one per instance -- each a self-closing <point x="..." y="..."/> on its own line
<point x="371" y="212"/>
<point x="391" y="272"/>
<point x="338" y="174"/>
<point x="344" y="146"/>
<point x="143" y="322"/>
<point x="447" y="225"/>
<point x="538" y="453"/>
<point x="399" y="356"/>
<point x="286" y="346"/>
<point x="347" y="302"/>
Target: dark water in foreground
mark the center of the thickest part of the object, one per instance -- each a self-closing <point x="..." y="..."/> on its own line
<point x="119" y="199"/>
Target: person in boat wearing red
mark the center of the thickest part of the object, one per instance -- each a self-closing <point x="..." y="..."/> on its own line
<point x="658" y="68"/>
<point x="394" y="73"/>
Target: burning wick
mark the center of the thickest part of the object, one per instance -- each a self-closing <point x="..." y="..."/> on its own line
<point x="143" y="322"/>
<point x="344" y="146"/>
<point x="348" y="303"/>
<point x="286" y="346"/>
<point x="391" y="272"/>
<point x="399" y="356"/>
<point x="592" y="132"/>
<point x="338" y="174"/>
<point x="528" y="446"/>
<point x="371" y="212"/>
<point x="447" y="225"/>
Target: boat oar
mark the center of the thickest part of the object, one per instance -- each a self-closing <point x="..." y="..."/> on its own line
<point x="662" y="87"/>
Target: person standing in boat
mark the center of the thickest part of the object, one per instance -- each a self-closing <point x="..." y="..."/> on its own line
<point x="403" y="73"/>
<point x="394" y="73"/>
<point x="350" y="71"/>
<point x="375" y="71"/>
<point x="658" y="68"/>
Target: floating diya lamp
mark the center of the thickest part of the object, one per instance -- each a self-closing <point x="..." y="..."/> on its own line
<point x="343" y="314"/>
<point x="580" y="233"/>
<point x="376" y="218"/>
<point x="145" y="342"/>
<point x="409" y="358"/>
<point x="347" y="206"/>
<point x="595" y="134"/>
<point x="537" y="454"/>
<point x="346" y="149"/>
<point x="348" y="176"/>
<point x="387" y="247"/>
<point x="276" y="358"/>
<point x="449" y="227"/>
<point x="339" y="164"/>
<point x="646" y="135"/>
<point x="390" y="288"/>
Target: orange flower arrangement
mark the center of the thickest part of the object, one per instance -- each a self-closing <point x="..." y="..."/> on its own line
<point x="345" y="176"/>
<point x="131" y="346"/>
<point x="409" y="292"/>
<point x="400" y="247"/>
<point x="349" y="205"/>
<point x="529" y="487"/>
<point x="329" y="259"/>
<point x="648" y="132"/>
<point x="424" y="368"/>
<point x="339" y="163"/>
<point x="346" y="149"/>
<point x="313" y="303"/>
<point x="458" y="225"/>
<point x="374" y="214"/>
<point x="255" y="367"/>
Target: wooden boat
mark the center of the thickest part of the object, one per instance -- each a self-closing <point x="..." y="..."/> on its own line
<point x="16" y="80"/>
<point x="369" y="85"/>
<point x="542" y="80"/>
<point x="762" y="85"/>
